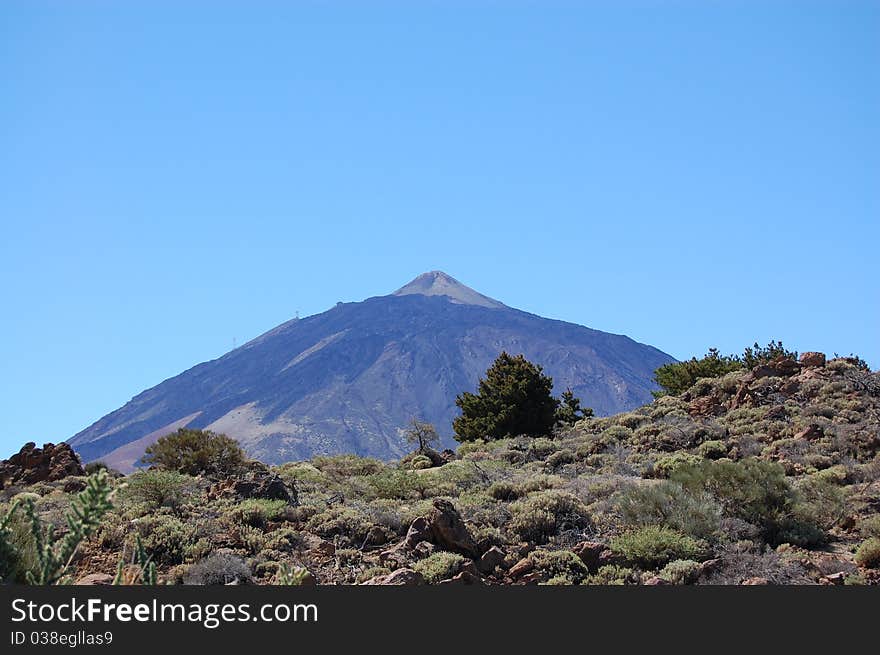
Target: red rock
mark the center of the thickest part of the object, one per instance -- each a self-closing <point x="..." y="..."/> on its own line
<point x="522" y="567"/>
<point x="590" y="553"/>
<point x="400" y="577"/>
<point x="812" y="360"/>
<point x="95" y="579"/>
<point x="491" y="559"/>
<point x="810" y="432"/>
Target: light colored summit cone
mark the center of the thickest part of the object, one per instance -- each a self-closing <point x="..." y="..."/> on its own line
<point x="438" y="283"/>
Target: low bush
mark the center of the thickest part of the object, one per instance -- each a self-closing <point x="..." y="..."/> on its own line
<point x="680" y="571"/>
<point x="613" y="574"/>
<point x="669" y="504"/>
<point x="165" y="538"/>
<point x="868" y="554"/>
<point x="544" y="514"/>
<point x="753" y="490"/>
<point x="218" y="569"/>
<point x="439" y="566"/>
<point x="150" y="490"/>
<point x="257" y="511"/>
<point x="341" y="522"/>
<point x="654" y="546"/>
<point x="560" y="566"/>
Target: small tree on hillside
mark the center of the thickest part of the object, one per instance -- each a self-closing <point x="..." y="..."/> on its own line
<point x="421" y="433"/>
<point x="513" y="399"/>
<point x="570" y="411"/>
<point x="196" y="452"/>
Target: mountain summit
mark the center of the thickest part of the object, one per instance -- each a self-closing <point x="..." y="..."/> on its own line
<point x="438" y="283"/>
<point x="348" y="380"/>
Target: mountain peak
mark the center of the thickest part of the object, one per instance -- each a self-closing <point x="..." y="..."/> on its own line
<point x="438" y="283"/>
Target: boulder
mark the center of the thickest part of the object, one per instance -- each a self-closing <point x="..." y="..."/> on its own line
<point x="705" y="406"/>
<point x="399" y="577"/>
<point x="491" y="559"/>
<point x="95" y="579"/>
<point x="419" y="531"/>
<point x="835" y="578"/>
<point x="756" y="581"/>
<point x="656" y="581"/>
<point x="522" y="567"/>
<point x="47" y="464"/>
<point x="463" y="578"/>
<point x="812" y="360"/>
<point x="590" y="553"/>
<point x="257" y="481"/>
<point x="778" y="367"/>
<point x="449" y="531"/>
<point x="810" y="432"/>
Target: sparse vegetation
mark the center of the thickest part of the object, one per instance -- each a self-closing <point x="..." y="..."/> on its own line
<point x="740" y="476"/>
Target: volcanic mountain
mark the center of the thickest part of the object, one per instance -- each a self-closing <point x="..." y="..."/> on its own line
<point x="348" y="380"/>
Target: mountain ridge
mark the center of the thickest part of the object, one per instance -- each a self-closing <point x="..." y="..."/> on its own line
<point x="348" y="379"/>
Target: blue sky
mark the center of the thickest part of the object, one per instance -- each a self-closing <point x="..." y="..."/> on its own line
<point x="174" y="176"/>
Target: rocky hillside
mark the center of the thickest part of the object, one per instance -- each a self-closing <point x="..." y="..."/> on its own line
<point x="763" y="476"/>
<point x="349" y="379"/>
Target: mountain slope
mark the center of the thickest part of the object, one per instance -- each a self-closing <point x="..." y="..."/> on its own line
<point x="350" y="378"/>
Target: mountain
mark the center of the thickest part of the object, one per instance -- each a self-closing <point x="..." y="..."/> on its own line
<point x="349" y="379"/>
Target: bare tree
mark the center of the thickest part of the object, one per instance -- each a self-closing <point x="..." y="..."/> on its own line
<point x="421" y="433"/>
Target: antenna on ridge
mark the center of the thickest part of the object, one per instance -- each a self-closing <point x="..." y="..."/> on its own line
<point x="297" y="315"/>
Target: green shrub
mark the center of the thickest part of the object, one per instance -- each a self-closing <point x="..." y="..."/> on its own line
<point x="258" y="511"/>
<point x="561" y="566"/>
<point x="712" y="449"/>
<point x="372" y="572"/>
<point x="542" y="447"/>
<point x="752" y="490"/>
<point x="165" y="538"/>
<point x="347" y="466"/>
<point x="612" y="574"/>
<point x="503" y="490"/>
<point x="94" y="467"/>
<point x="868" y="554"/>
<point x="757" y="354"/>
<point x="157" y="488"/>
<point x="542" y="515"/>
<point x="678" y="377"/>
<point x="420" y="462"/>
<point x="219" y="569"/>
<point x="680" y="571"/>
<point x="667" y="465"/>
<point x="196" y="452"/>
<point x="560" y="458"/>
<point x="668" y="503"/>
<point x="654" y="546"/>
<point x="870" y="526"/>
<point x="341" y="521"/>
<point x="18" y="549"/>
<point x="439" y="566"/>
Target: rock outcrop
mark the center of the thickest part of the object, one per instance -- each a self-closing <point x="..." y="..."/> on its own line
<point x="47" y="464"/>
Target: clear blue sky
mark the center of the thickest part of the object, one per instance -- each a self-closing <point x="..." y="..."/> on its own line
<point x="177" y="175"/>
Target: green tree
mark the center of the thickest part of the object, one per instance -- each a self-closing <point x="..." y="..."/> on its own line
<point x="570" y="411"/>
<point x="678" y="377"/>
<point x="421" y="433"/>
<point x="196" y="452"/>
<point x="514" y="398"/>
<point x="755" y="355"/>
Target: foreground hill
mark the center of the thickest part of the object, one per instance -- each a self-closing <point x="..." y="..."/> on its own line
<point x="763" y="476"/>
<point x="349" y="379"/>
